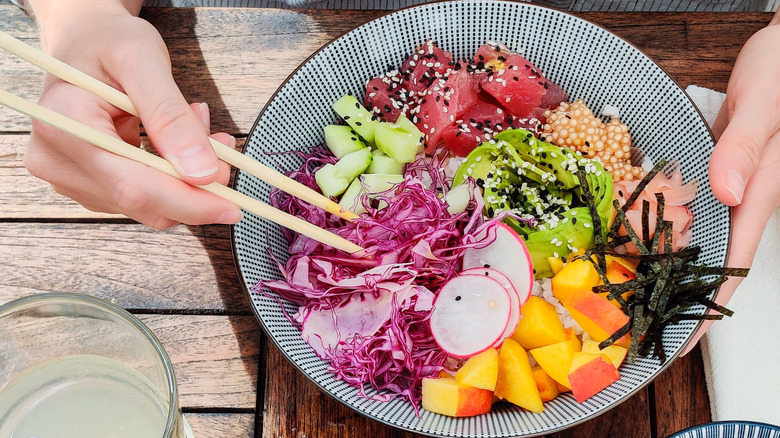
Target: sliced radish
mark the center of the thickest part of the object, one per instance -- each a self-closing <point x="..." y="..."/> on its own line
<point x="470" y="314"/>
<point x="514" y="298"/>
<point x="507" y="254"/>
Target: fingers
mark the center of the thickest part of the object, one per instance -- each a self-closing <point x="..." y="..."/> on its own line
<point x="174" y="129"/>
<point x="750" y="116"/>
<point x="761" y="199"/>
<point x="737" y="152"/>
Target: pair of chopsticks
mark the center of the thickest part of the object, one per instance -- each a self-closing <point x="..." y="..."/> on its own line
<point x="119" y="147"/>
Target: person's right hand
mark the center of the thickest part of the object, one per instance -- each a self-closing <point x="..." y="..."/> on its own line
<point x="745" y="163"/>
<point x="106" y="40"/>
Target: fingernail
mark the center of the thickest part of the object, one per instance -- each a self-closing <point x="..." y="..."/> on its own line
<point x="205" y="114"/>
<point x="735" y="184"/>
<point x="230" y="217"/>
<point x="196" y="163"/>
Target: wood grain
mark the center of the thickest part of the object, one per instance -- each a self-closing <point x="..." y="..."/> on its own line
<point x="222" y="425"/>
<point x="214" y="358"/>
<point x="211" y="53"/>
<point x="184" y="269"/>
<point x="182" y="282"/>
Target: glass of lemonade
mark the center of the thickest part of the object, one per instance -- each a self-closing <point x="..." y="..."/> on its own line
<point x="77" y="366"/>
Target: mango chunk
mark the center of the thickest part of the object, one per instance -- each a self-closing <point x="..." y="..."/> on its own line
<point x="539" y="324"/>
<point x="480" y="371"/>
<point x="547" y="386"/>
<point x="590" y="374"/>
<point x="555" y="359"/>
<point x="448" y="397"/>
<point x="597" y="316"/>
<point x="615" y="353"/>
<point x="515" y="382"/>
<point x="575" y="276"/>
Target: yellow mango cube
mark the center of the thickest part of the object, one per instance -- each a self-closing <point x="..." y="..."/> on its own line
<point x="615" y="353"/>
<point x="555" y="359"/>
<point x="539" y="324"/>
<point x="515" y="382"/>
<point x="548" y="388"/>
<point x="575" y="276"/>
<point x="480" y="371"/>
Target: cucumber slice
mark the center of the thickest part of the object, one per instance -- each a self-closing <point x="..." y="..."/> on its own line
<point x="357" y="116"/>
<point x="457" y="199"/>
<point x="331" y="180"/>
<point x="342" y="139"/>
<point x="397" y="142"/>
<point x="384" y="164"/>
<point x="354" y="163"/>
<point x="370" y="184"/>
<point x="404" y="123"/>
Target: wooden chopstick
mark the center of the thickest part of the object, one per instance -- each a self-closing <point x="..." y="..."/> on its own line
<point x="119" y="147"/>
<point x="120" y="100"/>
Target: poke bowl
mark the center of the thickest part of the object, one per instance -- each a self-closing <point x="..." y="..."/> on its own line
<point x="607" y="73"/>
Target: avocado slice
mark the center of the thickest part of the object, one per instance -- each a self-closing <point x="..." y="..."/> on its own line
<point x="537" y="182"/>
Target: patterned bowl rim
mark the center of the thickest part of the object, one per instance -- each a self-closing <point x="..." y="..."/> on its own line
<point x="715" y="424"/>
<point x="383" y="16"/>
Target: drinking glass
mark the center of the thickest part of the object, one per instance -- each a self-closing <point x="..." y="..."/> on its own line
<point x="77" y="366"/>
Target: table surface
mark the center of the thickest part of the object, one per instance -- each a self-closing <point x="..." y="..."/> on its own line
<point x="182" y="282"/>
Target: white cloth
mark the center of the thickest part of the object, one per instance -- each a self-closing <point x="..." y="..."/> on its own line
<point x="742" y="352"/>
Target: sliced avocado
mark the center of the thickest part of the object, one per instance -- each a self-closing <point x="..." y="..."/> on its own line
<point x="546" y="156"/>
<point x="537" y="182"/>
<point x="573" y="232"/>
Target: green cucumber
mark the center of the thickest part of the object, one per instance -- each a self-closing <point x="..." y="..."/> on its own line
<point x="331" y="180"/>
<point x="404" y="123"/>
<point x="370" y="184"/>
<point x="458" y="199"/>
<point x="357" y="116"/>
<point x="354" y="163"/>
<point x="342" y="139"/>
<point x="384" y="164"/>
<point x="397" y="142"/>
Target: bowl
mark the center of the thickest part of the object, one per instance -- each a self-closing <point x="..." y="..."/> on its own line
<point x="729" y="429"/>
<point x="587" y="60"/>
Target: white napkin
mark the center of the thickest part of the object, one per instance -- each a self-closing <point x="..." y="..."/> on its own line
<point x="742" y="352"/>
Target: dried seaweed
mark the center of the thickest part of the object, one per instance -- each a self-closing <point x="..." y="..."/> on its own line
<point x="668" y="285"/>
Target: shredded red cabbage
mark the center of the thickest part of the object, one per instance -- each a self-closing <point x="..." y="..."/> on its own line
<point x="368" y="316"/>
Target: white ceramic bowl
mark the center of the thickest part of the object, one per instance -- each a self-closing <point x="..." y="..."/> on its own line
<point x="588" y="61"/>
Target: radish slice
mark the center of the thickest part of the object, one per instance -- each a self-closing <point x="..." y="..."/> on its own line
<point x="470" y="314"/>
<point x="507" y="254"/>
<point x="514" y="298"/>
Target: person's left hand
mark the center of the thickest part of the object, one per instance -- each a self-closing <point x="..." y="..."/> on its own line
<point x="745" y="163"/>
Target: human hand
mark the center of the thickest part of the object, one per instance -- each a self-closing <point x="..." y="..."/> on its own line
<point x="105" y="40"/>
<point x="746" y="160"/>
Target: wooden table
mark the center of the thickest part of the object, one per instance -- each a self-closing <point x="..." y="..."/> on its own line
<point x="182" y="283"/>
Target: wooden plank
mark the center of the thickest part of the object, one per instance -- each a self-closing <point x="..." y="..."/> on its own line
<point x="24" y="196"/>
<point x="183" y="269"/>
<point x="294" y="406"/>
<point x="222" y="425"/>
<point x="677" y="408"/>
<point x="210" y="54"/>
<point x="214" y="358"/>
